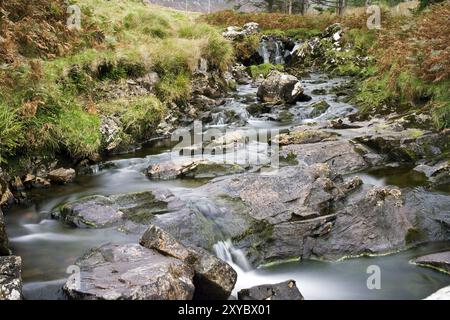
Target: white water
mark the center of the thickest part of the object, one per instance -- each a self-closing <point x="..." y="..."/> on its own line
<point x="233" y="256"/>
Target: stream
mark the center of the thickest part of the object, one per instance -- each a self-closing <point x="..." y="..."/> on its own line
<point x="48" y="247"/>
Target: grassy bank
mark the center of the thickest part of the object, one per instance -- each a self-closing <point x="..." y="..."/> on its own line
<point x="408" y="65"/>
<point x="57" y="84"/>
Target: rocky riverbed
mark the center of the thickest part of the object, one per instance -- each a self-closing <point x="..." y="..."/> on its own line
<point x="279" y="170"/>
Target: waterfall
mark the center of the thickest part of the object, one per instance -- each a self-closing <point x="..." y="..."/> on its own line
<point x="278" y="57"/>
<point x="235" y="257"/>
<point x="264" y="52"/>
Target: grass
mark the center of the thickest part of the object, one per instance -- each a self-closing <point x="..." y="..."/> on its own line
<point x="51" y="102"/>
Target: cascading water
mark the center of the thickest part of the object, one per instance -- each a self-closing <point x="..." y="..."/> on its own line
<point x="235" y="257"/>
<point x="264" y="52"/>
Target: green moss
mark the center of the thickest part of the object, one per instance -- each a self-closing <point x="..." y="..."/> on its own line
<point x="264" y="69"/>
<point x="412" y="235"/>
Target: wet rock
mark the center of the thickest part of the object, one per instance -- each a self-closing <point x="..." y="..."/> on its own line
<point x="281" y="291"/>
<point x="341" y="155"/>
<point x="62" y="176"/>
<point x="370" y="222"/>
<point x="319" y="107"/>
<point x="213" y="278"/>
<point x="438" y="174"/>
<point x="107" y="211"/>
<point x="191" y="167"/>
<point x="280" y="88"/>
<point x="239" y="72"/>
<point x="302" y="137"/>
<point x="405" y="145"/>
<point x="157" y="239"/>
<point x="441" y="294"/>
<point x="440" y="261"/>
<point x="10" y="278"/>
<point x="40" y="182"/>
<point x="4" y="250"/>
<point x="130" y="272"/>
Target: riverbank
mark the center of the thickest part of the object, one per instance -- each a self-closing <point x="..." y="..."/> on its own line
<point x="282" y="167"/>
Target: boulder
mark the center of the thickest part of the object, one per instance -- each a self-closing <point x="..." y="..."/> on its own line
<point x="441" y="294"/>
<point x="10" y="278"/>
<point x="341" y="155"/>
<point x="213" y="278"/>
<point x="191" y="168"/>
<point x="281" y="291"/>
<point x="301" y="137"/>
<point x="61" y="175"/>
<point x="129" y="272"/>
<point x="235" y="33"/>
<point x="108" y="211"/>
<point x="319" y="107"/>
<point x="438" y="174"/>
<point x="280" y="87"/>
<point x="439" y="261"/>
<point x="4" y="250"/>
<point x="370" y="222"/>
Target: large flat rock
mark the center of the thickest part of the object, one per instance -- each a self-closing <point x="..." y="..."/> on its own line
<point x="130" y="272"/>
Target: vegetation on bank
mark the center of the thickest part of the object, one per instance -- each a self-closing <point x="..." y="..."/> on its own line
<point x="408" y="65"/>
<point x="57" y="84"/>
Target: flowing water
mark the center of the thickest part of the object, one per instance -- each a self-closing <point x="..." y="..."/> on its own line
<point x="48" y="247"/>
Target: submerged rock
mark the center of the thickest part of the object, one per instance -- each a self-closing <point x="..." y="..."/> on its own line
<point x="130" y="272"/>
<point x="280" y="88"/>
<point x="319" y="107"/>
<point x="439" y="261"/>
<point x="10" y="278"/>
<point x="61" y="175"/>
<point x="281" y="291"/>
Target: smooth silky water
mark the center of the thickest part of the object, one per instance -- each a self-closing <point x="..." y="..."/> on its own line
<point x="47" y="247"/>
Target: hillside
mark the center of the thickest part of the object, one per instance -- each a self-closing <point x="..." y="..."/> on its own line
<point x="60" y="86"/>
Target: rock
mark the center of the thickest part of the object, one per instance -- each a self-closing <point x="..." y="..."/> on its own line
<point x="319" y="107"/>
<point x="281" y="291"/>
<point x="149" y="81"/>
<point x="235" y="33"/>
<point x="129" y="272"/>
<point x="302" y="137"/>
<point x="280" y="88"/>
<point x="341" y="155"/>
<point x="213" y="278"/>
<point x="406" y="145"/>
<point x="4" y="250"/>
<point x="40" y="182"/>
<point x="157" y="239"/>
<point x="108" y="211"/>
<point x="441" y="294"/>
<point x="439" y="261"/>
<point x="192" y="168"/>
<point x="438" y="174"/>
<point x="61" y="175"/>
<point x="111" y="131"/>
<point x="370" y="222"/>
<point x="10" y="278"/>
